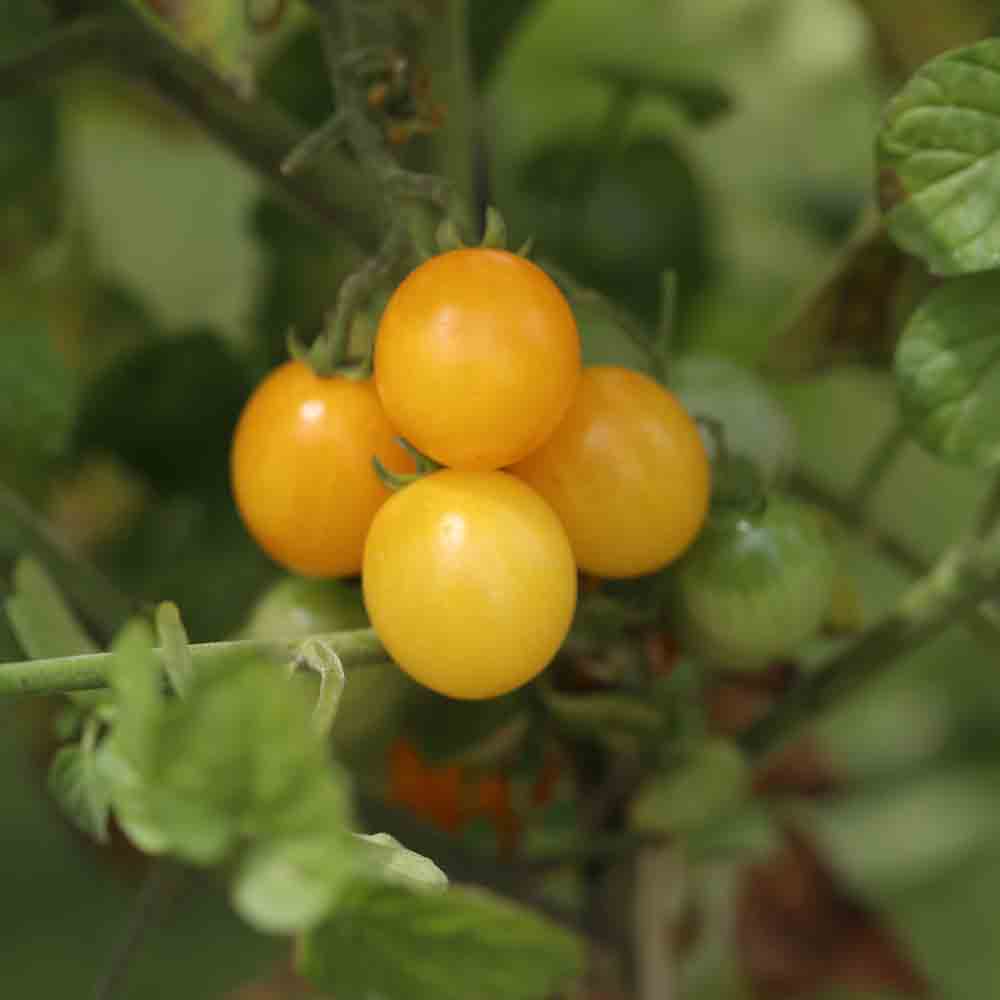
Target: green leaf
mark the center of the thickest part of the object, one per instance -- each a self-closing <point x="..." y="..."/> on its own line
<point x="948" y="371"/>
<point x="79" y="787"/>
<point x="238" y="758"/>
<point x="42" y="621"/>
<point x="384" y="941"/>
<point x="709" y="784"/>
<point x="174" y="644"/>
<point x="135" y="676"/>
<point x="289" y="885"/>
<point x="400" y="865"/>
<point x="37" y="388"/>
<point x="703" y="101"/>
<point x="939" y="150"/>
<point x="168" y="410"/>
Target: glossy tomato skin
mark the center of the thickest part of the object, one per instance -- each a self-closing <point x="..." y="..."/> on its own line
<point x="469" y="582"/>
<point x="301" y="468"/>
<point x="755" y="586"/>
<point x="477" y="358"/>
<point x="627" y="473"/>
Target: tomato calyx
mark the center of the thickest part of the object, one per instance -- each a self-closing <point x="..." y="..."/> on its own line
<point x="737" y="486"/>
<point x="495" y="235"/>
<point x="397" y="480"/>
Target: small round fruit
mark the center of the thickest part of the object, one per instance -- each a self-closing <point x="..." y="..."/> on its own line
<point x="477" y="358"/>
<point x="754" y="586"/>
<point x="469" y="582"/>
<point x="627" y="473"/>
<point x="301" y="468"/>
<point x="296" y="607"/>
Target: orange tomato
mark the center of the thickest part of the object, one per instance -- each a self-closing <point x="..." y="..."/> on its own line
<point x="627" y="473"/>
<point x="301" y="468"/>
<point x="477" y="358"/>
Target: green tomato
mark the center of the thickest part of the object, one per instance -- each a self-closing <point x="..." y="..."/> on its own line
<point x="374" y="696"/>
<point x="753" y="587"/>
<point x="296" y="608"/>
<point x="756" y="425"/>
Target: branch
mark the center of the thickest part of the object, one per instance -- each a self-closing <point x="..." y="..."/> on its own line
<point x="964" y="578"/>
<point x="332" y="192"/>
<point x="357" y="648"/>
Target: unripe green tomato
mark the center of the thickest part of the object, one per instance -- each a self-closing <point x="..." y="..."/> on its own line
<point x="296" y="608"/>
<point x="753" y="587"/>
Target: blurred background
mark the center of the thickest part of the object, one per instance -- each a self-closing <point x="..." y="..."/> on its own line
<point x="148" y="279"/>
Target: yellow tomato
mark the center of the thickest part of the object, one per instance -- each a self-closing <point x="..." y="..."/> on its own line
<point x="627" y="473"/>
<point x="301" y="468"/>
<point x="477" y="358"/>
<point x="469" y="582"/>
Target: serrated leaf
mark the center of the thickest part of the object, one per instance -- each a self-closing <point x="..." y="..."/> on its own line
<point x="289" y="885"/>
<point x="384" y="941"/>
<point x="948" y="371"/>
<point x="238" y="758"/>
<point x="700" y="790"/>
<point x="398" y="864"/>
<point x="76" y="783"/>
<point x="939" y="151"/>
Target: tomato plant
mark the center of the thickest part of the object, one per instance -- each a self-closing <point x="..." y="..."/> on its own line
<point x="469" y="581"/>
<point x="301" y="468"/>
<point x="755" y="585"/>
<point x="477" y="358"/>
<point x="627" y="473"/>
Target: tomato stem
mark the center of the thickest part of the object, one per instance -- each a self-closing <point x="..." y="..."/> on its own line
<point x="356" y="648"/>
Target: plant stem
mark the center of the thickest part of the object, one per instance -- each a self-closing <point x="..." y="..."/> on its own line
<point x="104" y="606"/>
<point x="965" y="577"/>
<point x="333" y="192"/>
<point x="881" y="460"/>
<point x="358" y="648"/>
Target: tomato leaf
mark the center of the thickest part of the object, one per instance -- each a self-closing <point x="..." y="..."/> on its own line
<point x="398" y="864"/>
<point x="939" y="151"/>
<point x="704" y="787"/>
<point x="948" y="371"/>
<point x="79" y="787"/>
<point x="384" y="941"/>
<point x="288" y="885"/>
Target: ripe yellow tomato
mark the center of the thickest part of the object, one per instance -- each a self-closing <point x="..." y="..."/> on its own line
<point x="469" y="582"/>
<point x="301" y="468"/>
<point x="477" y="358"/>
<point x="627" y="473"/>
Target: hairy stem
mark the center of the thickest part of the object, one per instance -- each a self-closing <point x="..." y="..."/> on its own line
<point x="358" y="648"/>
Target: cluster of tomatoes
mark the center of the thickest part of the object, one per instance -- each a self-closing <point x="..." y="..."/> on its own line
<point x="544" y="469"/>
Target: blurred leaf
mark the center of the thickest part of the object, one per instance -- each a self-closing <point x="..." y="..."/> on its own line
<point x="754" y="421"/>
<point x="491" y="26"/>
<point x="168" y="410"/>
<point x="289" y="885"/>
<point x="746" y="833"/>
<point x="37" y="389"/>
<point x="43" y="622"/>
<point x="701" y="100"/>
<point x="939" y="153"/>
<point x="948" y="371"/>
<point x="174" y="647"/>
<point x="238" y="758"/>
<point x="185" y="547"/>
<point x="855" y="313"/>
<point x="697" y="791"/>
<point x="79" y="787"/>
<point x="402" y="945"/>
<point x="399" y="865"/>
